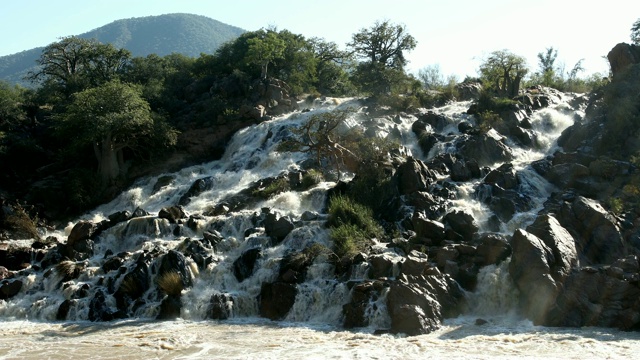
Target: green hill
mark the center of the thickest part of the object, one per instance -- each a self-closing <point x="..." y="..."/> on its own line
<point x="186" y="34"/>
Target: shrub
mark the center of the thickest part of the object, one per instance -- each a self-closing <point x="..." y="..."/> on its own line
<point x="21" y="224"/>
<point x="348" y="239"/>
<point x="311" y="178"/>
<point x="275" y="187"/>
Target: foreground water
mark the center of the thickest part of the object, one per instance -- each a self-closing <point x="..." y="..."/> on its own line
<point x="259" y="339"/>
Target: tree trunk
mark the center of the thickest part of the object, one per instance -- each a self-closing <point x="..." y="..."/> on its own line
<point x="108" y="167"/>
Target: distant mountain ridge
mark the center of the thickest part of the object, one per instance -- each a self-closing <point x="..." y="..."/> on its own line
<point x="186" y="34"/>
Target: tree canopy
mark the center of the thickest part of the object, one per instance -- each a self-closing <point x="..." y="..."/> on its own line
<point x="110" y="118"/>
<point x="503" y="71"/>
<point x="635" y="32"/>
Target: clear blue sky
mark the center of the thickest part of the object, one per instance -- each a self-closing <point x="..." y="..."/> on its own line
<point x="455" y="34"/>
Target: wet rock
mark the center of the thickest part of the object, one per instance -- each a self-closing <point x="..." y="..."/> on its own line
<point x="99" y="310"/>
<point x="133" y="285"/>
<point x="414" y="175"/>
<point x="428" y="229"/>
<point x="566" y="175"/>
<point x="138" y="212"/>
<point x="465" y="170"/>
<point x="381" y="265"/>
<point x="243" y="266"/>
<point x="198" y="187"/>
<point x="15" y="258"/>
<point x="198" y="251"/>
<point x="428" y="140"/>
<point x="220" y="307"/>
<point x="10" y="288"/>
<point x="276" y="299"/>
<point x="462" y="223"/>
<point x="119" y="217"/>
<point x="492" y="249"/>
<point x="113" y="263"/>
<point x="530" y="269"/>
<point x="363" y="299"/>
<point x="277" y="227"/>
<point x="162" y="182"/>
<point x="170" y="308"/>
<point x="175" y="262"/>
<point x="487" y="149"/>
<point x="430" y="120"/>
<point x="172" y="213"/>
<point x="504" y="176"/>
<point x="418" y="304"/>
<point x="83" y="230"/>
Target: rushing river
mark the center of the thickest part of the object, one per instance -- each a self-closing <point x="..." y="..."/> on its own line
<point x="259" y="339"/>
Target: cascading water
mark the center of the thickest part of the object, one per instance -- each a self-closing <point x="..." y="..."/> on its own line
<point x="251" y="156"/>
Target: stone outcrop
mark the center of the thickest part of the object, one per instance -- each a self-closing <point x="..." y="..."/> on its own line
<point x="622" y="56"/>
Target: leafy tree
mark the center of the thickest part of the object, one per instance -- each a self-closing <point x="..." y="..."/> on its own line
<point x="635" y="32"/>
<point x="503" y="71"/>
<point x="332" y="65"/>
<point x="382" y="47"/>
<point x="264" y="49"/>
<point x="111" y="118"/>
<point x="74" y="64"/>
<point x="546" y="61"/>
<point x="11" y="111"/>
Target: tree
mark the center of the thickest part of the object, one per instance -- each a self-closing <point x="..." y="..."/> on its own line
<point x="384" y="43"/>
<point x="635" y="32"/>
<point x="331" y="67"/>
<point x="503" y="71"/>
<point x="264" y="49"/>
<point x="110" y="118"/>
<point x="546" y="62"/>
<point x="74" y="64"/>
<point x="431" y="77"/>
<point x="382" y="47"/>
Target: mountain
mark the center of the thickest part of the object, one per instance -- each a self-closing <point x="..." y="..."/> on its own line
<point x="186" y="34"/>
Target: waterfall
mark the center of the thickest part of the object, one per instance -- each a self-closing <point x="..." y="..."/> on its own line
<point x="252" y="154"/>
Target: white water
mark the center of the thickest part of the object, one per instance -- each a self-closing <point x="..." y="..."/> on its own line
<point x="312" y="327"/>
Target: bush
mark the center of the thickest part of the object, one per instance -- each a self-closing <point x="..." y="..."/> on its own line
<point x="348" y="239"/>
<point x="352" y="225"/>
<point x="311" y="178"/>
<point x="277" y="186"/>
<point x="170" y="283"/>
<point x="22" y="226"/>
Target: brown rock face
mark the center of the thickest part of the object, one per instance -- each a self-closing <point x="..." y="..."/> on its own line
<point x="622" y="56"/>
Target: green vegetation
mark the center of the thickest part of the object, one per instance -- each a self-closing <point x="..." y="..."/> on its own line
<point x="170" y="283"/>
<point x="635" y="32"/>
<point x="352" y="226"/>
<point x="502" y="72"/>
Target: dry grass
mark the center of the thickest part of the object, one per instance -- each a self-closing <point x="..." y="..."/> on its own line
<point x="170" y="283"/>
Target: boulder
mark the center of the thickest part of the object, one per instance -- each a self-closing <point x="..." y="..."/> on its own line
<point x="169" y="308"/>
<point x="492" y="249"/>
<point x="462" y="223"/>
<point x="530" y="269"/>
<point x="487" y="149"/>
<point x="381" y="265"/>
<point x="172" y="213"/>
<point x="504" y="176"/>
<point x="357" y="311"/>
<point x="175" y="262"/>
<point x="277" y="227"/>
<point x="220" y="307"/>
<point x="566" y="175"/>
<point x="561" y="243"/>
<point x="469" y="90"/>
<point x="622" y="56"/>
<point x="414" y="175"/>
<point x="243" y="266"/>
<point x="428" y="229"/>
<point x="414" y="264"/>
<point x="597" y="236"/>
<point x="276" y="299"/>
<point x="10" y="288"/>
<point x="592" y="297"/>
<point x="198" y="187"/>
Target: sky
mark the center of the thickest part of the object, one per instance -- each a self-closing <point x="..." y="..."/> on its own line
<point x="456" y="35"/>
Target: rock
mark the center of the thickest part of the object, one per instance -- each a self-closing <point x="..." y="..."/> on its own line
<point x="430" y="119"/>
<point x="175" y="262"/>
<point x="243" y="266"/>
<point x="83" y="230"/>
<point x="561" y="243"/>
<point x="504" y="176"/>
<point x="622" y="56"/>
<point x="220" y="307"/>
<point x="413" y="175"/>
<point x="276" y="299"/>
<point x="591" y="297"/>
<point x="119" y="217"/>
<point x="357" y="311"/>
<point x="15" y="258"/>
<point x="418" y="304"/>
<point x="530" y="269"/>
<point x="469" y="90"/>
<point x="198" y="187"/>
<point x="172" y="213"/>
<point x="429" y="229"/>
<point x="566" y="175"/>
<point x="381" y="265"/>
<point x="492" y="249"/>
<point x="277" y="227"/>
<point x="487" y="149"/>
<point x="465" y="170"/>
<point x="162" y="182"/>
<point x="133" y="285"/>
<point x="608" y="168"/>
<point x="99" y="310"/>
<point x="462" y="223"/>
<point x="169" y="308"/>
<point x="9" y="288"/>
<point x="415" y="263"/>
<point x="598" y="238"/>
